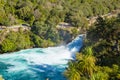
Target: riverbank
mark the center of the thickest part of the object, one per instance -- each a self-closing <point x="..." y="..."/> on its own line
<point x="1" y="78"/>
<point x="63" y="33"/>
<point x="100" y="57"/>
<point x="39" y="63"/>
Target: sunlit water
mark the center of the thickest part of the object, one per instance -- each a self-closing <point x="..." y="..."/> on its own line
<point x="39" y="63"/>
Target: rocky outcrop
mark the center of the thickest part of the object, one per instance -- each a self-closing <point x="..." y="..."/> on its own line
<point x="15" y="27"/>
<point x="65" y="35"/>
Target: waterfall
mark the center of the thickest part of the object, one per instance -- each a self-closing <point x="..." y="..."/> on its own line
<point x="39" y="63"/>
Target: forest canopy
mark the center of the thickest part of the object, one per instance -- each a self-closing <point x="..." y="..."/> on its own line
<point x="52" y="12"/>
<point x="100" y="56"/>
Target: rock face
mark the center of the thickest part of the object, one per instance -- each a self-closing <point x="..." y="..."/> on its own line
<point x="15" y="27"/>
<point x="63" y="25"/>
<point x="2" y="27"/>
<point x="66" y="36"/>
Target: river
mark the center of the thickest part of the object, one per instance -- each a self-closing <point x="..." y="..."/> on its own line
<point x="39" y="63"/>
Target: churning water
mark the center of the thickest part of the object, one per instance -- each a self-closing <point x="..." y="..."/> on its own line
<point x="39" y="63"/>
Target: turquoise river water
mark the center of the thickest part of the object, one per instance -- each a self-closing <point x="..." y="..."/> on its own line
<point x="39" y="63"/>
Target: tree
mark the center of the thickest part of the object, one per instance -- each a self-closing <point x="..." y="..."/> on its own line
<point x="7" y="46"/>
<point x="83" y="67"/>
<point x="86" y="62"/>
<point x="72" y="73"/>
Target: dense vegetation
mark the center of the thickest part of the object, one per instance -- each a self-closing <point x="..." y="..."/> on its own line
<point x="51" y="12"/>
<point x="100" y="57"/>
<point x="43" y="16"/>
<point x="22" y="40"/>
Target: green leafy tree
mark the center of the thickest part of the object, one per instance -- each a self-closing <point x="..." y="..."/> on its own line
<point x="83" y="67"/>
<point x="72" y="73"/>
<point x="7" y="46"/>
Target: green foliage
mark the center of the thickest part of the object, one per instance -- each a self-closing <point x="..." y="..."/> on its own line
<point x="106" y="36"/>
<point x="44" y="15"/>
<point x="36" y="40"/>
<point x="7" y="46"/>
<point x="99" y="76"/>
<point x="46" y="32"/>
<point x="100" y="61"/>
<point x="83" y="67"/>
<point x="72" y="73"/>
<point x="15" y="41"/>
<point x="22" y="40"/>
<point x="54" y="11"/>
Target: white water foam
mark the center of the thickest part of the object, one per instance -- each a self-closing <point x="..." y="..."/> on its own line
<point x="51" y="56"/>
<point x="24" y="59"/>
